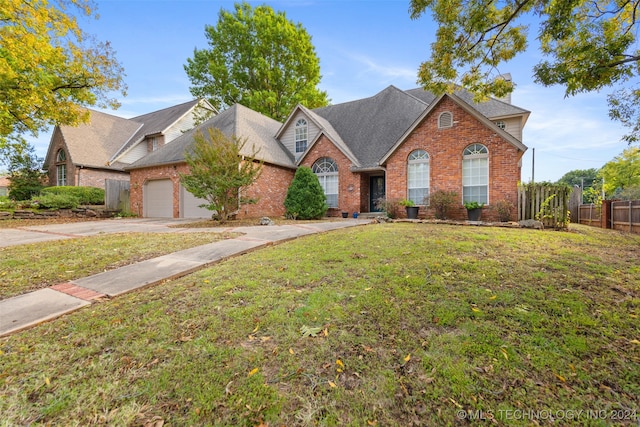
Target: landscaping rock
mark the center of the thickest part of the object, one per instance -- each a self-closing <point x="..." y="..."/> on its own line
<point x="5" y="215"/>
<point x="531" y="223"/>
<point x="265" y="220"/>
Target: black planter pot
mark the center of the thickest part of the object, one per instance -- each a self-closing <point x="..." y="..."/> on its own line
<point x="345" y="214"/>
<point x="412" y="211"/>
<point x="474" y="214"/>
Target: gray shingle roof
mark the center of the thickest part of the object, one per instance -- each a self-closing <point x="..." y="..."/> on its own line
<point x="492" y="108"/>
<point x="157" y="122"/>
<point x="371" y="126"/>
<point x="237" y="120"/>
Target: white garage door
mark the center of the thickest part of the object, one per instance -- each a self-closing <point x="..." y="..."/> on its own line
<point x="158" y="199"/>
<point x="189" y="206"/>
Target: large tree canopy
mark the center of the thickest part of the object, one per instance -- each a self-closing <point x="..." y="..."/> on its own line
<point x="49" y="67"/>
<point x="587" y="45"/>
<point x="260" y="59"/>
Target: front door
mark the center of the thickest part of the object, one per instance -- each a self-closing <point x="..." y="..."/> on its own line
<point x="376" y="191"/>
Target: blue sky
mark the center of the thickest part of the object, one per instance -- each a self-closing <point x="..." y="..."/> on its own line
<point x="363" y="46"/>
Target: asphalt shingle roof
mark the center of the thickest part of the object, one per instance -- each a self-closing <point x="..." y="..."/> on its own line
<point x="237" y="120"/>
<point x="156" y="122"/>
<point x="371" y="126"/>
<point x="93" y="143"/>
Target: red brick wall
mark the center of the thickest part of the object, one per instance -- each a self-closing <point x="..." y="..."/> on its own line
<point x="85" y="177"/>
<point x="270" y="189"/>
<point x="350" y="186"/>
<point x="445" y="147"/>
<point x="96" y="178"/>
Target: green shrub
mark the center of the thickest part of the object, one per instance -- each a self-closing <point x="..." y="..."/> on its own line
<point x="56" y="201"/>
<point x="7" y="203"/>
<point x="85" y="195"/>
<point x="305" y="196"/>
<point x="442" y="201"/>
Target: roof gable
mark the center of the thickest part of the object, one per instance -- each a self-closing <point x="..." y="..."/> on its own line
<point x="158" y="122"/>
<point x="236" y="120"/>
<point x="92" y="144"/>
<point x="371" y="126"/>
<point x="467" y="108"/>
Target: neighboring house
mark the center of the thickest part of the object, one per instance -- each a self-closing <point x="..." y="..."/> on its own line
<point x="4" y="185"/>
<point x="88" y="154"/>
<point x="394" y="145"/>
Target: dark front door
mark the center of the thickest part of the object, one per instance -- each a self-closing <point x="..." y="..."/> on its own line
<point x="376" y="191"/>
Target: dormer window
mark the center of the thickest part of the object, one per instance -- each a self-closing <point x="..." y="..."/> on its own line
<point x="153" y="143"/>
<point x="301" y="136"/>
<point x="500" y="124"/>
<point x="445" y="120"/>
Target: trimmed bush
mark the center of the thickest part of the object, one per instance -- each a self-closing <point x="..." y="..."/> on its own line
<point x="84" y="195"/>
<point x="56" y="201"/>
<point x="305" y="196"/>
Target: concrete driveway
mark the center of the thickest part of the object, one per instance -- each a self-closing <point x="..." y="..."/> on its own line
<point x="44" y="233"/>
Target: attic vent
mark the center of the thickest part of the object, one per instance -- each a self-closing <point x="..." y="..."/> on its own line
<point x="445" y="120"/>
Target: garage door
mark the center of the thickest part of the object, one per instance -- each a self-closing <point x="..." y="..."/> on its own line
<point x="189" y="206"/>
<point x="158" y="199"/>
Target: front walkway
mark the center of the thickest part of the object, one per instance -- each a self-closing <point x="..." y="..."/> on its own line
<point x="30" y="309"/>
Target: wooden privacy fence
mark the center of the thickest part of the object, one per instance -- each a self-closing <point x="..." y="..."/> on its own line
<point x="625" y="215"/>
<point x="621" y="215"/>
<point x="116" y="195"/>
<point x="546" y="203"/>
<point x="590" y="214"/>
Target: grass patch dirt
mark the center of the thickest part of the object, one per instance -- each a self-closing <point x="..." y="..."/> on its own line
<point x="35" y="266"/>
<point x="388" y="324"/>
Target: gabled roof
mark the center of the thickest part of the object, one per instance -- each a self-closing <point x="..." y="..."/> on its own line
<point x="92" y="144"/>
<point x="492" y="108"/>
<point x="465" y="106"/>
<point x="371" y="126"/>
<point x="237" y="120"/>
<point x="156" y="122"/>
<point x="325" y="129"/>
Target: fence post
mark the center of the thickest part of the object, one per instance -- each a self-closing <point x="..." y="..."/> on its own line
<point x="630" y="217"/>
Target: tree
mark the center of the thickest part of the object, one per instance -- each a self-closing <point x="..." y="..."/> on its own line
<point x="305" y="197"/>
<point x="583" y="178"/>
<point x="50" y="68"/>
<point x="257" y="58"/>
<point x="26" y="178"/>
<point x="588" y="45"/>
<point x="220" y="171"/>
<point x="621" y="173"/>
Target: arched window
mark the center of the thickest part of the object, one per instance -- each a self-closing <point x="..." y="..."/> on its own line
<point x="61" y="168"/>
<point x="445" y="120"/>
<point x="418" y="177"/>
<point x="475" y="174"/>
<point x="327" y="171"/>
<point x="301" y="135"/>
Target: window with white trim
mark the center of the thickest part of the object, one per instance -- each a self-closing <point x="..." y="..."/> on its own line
<point x="61" y="168"/>
<point x="501" y="124"/>
<point x="327" y="171"/>
<point x="301" y="130"/>
<point x="418" y="177"/>
<point x="475" y="174"/>
<point x="445" y="120"/>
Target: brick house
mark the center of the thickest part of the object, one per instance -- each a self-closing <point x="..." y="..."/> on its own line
<point x="88" y="154"/>
<point x="394" y="145"/>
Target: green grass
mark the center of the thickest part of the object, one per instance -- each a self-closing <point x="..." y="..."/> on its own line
<point x="413" y="323"/>
<point x="35" y="266"/>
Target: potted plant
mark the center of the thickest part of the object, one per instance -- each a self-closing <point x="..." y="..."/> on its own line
<point x="410" y="207"/>
<point x="474" y="210"/>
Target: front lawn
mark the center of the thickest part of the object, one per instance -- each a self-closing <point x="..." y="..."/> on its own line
<point x="391" y="324"/>
<point x="35" y="266"/>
